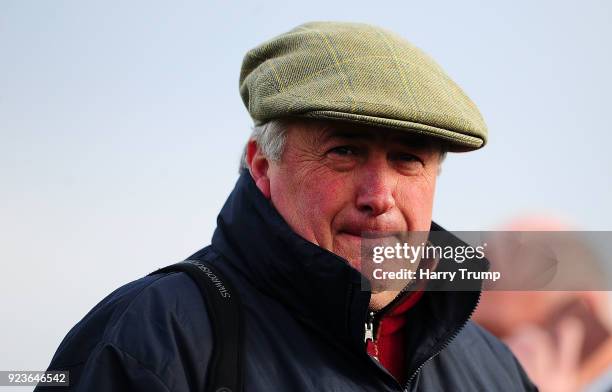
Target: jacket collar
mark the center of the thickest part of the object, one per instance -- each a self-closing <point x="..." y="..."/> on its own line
<point x="319" y="287"/>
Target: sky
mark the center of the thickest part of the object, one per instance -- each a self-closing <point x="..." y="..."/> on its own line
<point x="121" y="128"/>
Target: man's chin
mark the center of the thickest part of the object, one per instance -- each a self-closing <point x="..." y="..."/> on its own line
<point x="380" y="299"/>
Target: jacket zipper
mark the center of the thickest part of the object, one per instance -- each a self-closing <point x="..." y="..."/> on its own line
<point x="371" y="324"/>
<point x="369" y="332"/>
<point x="446" y="343"/>
<point x="369" y="328"/>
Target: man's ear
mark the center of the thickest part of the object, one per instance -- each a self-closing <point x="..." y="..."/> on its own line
<point x="258" y="167"/>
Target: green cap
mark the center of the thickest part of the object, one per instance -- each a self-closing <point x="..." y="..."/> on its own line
<point x="358" y="73"/>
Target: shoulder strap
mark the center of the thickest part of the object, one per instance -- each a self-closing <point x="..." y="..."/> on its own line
<point x="225" y="314"/>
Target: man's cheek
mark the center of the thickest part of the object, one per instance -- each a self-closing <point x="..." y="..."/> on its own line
<point x="416" y="203"/>
<point x="324" y="194"/>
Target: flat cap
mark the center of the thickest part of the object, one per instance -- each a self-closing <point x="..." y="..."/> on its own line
<point x="358" y="73"/>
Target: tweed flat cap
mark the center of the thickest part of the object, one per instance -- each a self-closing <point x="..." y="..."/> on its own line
<point x="358" y="73"/>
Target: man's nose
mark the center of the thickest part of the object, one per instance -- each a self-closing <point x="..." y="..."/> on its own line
<point x="376" y="187"/>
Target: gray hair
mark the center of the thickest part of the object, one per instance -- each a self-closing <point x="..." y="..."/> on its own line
<point x="271" y="136"/>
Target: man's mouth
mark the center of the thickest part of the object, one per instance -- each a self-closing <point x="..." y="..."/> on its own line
<point x="369" y="233"/>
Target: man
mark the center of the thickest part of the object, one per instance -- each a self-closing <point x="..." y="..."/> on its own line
<point x="352" y="123"/>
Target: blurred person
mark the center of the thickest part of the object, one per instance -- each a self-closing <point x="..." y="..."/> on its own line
<point x="352" y="123"/>
<point x="562" y="338"/>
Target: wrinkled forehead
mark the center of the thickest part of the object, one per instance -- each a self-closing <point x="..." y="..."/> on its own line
<point x="321" y="132"/>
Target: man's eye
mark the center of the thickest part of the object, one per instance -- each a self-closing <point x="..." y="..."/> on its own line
<point x="404" y="157"/>
<point x="343" y="151"/>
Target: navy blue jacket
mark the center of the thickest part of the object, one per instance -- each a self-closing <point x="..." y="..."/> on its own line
<point x="304" y="316"/>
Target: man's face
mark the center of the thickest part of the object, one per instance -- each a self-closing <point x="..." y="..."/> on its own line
<point x="337" y="180"/>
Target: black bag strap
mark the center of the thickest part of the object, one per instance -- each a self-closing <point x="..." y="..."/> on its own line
<point x="225" y="314"/>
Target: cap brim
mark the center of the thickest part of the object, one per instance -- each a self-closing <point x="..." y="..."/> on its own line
<point x="455" y="141"/>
